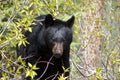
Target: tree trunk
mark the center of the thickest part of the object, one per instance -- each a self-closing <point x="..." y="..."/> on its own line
<point x="91" y="52"/>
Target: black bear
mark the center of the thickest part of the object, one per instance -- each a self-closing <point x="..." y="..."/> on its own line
<point x="49" y="46"/>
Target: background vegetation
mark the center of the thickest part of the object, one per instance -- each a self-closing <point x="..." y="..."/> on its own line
<point x="16" y="15"/>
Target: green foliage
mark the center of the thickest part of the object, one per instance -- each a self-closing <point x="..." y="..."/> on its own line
<point x="18" y="15"/>
<point x="30" y="72"/>
<point x="98" y="75"/>
<point x="62" y="77"/>
<point x="65" y="70"/>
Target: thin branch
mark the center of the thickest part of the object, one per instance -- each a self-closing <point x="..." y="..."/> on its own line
<point x="10" y="60"/>
<point x="6" y="42"/>
<point x="7" y="71"/>
<point x="45" y="68"/>
<point x="9" y="20"/>
<point x="55" y="76"/>
<point x="78" y="68"/>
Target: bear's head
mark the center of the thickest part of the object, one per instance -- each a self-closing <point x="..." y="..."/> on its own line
<point x="58" y="34"/>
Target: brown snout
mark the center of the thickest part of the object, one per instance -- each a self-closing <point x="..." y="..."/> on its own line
<point x="57" y="49"/>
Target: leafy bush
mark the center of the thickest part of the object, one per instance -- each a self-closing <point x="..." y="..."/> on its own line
<point x="18" y="15"/>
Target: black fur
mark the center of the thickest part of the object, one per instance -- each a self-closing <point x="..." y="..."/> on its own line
<point x="49" y="42"/>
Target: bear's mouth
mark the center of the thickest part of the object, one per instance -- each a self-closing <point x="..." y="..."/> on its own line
<point x="57" y="55"/>
<point x="57" y="49"/>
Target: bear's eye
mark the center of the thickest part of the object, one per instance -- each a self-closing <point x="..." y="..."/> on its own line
<point x="58" y="40"/>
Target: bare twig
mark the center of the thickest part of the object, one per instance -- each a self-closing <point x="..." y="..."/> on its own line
<point x="78" y="68"/>
<point x="7" y="71"/>
<point x="55" y="76"/>
<point x="45" y="68"/>
<point x="9" y="20"/>
<point x="6" y="42"/>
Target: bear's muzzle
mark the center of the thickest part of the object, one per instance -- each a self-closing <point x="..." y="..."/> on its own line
<point x="58" y="49"/>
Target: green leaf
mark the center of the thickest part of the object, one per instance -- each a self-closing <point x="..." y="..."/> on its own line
<point x="65" y="70"/>
<point x="118" y="60"/>
<point x="31" y="73"/>
<point x="30" y="65"/>
<point x="19" y="43"/>
<point x="62" y="77"/>
<point x="98" y="75"/>
<point x="114" y="52"/>
<point x="19" y="59"/>
<point x="30" y="29"/>
<point x="34" y="67"/>
<point x="98" y="70"/>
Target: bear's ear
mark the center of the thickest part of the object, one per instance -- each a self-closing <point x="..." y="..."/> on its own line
<point x="70" y="22"/>
<point x="48" y="20"/>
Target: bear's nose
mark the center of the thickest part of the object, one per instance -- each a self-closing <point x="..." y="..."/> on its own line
<point x="57" y="50"/>
<point x="57" y="55"/>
